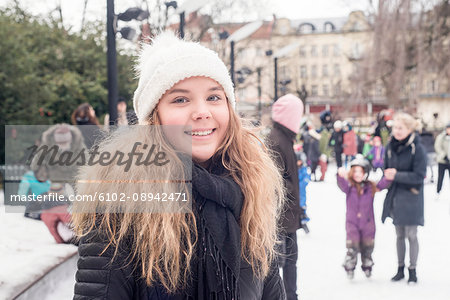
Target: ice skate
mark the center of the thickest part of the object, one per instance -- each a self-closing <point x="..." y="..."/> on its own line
<point x="350" y="274"/>
<point x="368" y="273"/>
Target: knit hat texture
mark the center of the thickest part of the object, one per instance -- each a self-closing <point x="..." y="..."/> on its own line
<point x="288" y="111"/>
<point x="168" y="60"/>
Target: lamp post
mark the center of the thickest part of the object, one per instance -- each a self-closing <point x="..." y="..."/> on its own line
<point x="258" y="70"/>
<point x="134" y="13"/>
<point x="186" y="8"/>
<point x="283" y="52"/>
<point x="240" y="34"/>
<point x="112" y="62"/>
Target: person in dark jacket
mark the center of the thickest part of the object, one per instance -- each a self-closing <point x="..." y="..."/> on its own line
<point x="287" y="112"/>
<point x="337" y="141"/>
<point x="405" y="164"/>
<point x="427" y="139"/>
<point x="222" y="248"/>
<point x="311" y="140"/>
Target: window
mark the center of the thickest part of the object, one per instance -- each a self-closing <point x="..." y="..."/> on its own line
<point x="329" y="27"/>
<point x="325" y="90"/>
<point x="378" y="89"/>
<point x="432" y="87"/>
<point x="302" y="51"/>
<point x="306" y="28"/>
<point x="325" y="70"/>
<point x="336" y="50"/>
<point x="356" y="51"/>
<point x="314" y="71"/>
<point x="337" y="89"/>
<point x="325" y="50"/>
<point x="337" y="70"/>
<point x="303" y="73"/>
<point x="314" y="90"/>
<point x="314" y="51"/>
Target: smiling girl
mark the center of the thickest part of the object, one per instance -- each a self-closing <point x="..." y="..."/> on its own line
<point x="224" y="247"/>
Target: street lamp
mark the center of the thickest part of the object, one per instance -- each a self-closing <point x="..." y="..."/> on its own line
<point x="240" y="34"/>
<point x="283" y="52"/>
<point x="128" y="33"/>
<point x="186" y="8"/>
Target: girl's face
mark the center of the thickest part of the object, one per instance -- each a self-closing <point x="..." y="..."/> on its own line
<point x="377" y="142"/>
<point x="400" y="131"/>
<point x="200" y="104"/>
<point x="358" y="174"/>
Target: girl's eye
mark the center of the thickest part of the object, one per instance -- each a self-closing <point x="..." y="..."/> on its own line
<point x="180" y="100"/>
<point x="214" y="98"/>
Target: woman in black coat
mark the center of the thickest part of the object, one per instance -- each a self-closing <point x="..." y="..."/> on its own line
<point x="405" y="163"/>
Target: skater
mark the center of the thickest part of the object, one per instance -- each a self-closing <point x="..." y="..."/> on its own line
<point x="303" y="180"/>
<point x="442" y="146"/>
<point x="377" y="154"/>
<point x="337" y="141"/>
<point x="360" y="220"/>
<point x="405" y="163"/>
<point x="224" y="248"/>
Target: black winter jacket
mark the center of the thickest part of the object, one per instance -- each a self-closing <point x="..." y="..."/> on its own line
<point x="404" y="200"/>
<point x="337" y="141"/>
<point x="281" y="141"/>
<point x="218" y="203"/>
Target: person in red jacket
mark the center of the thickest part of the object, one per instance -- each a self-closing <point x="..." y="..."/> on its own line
<point x="350" y="143"/>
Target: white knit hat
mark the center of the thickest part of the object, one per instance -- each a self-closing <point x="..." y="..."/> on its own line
<point x="169" y="60"/>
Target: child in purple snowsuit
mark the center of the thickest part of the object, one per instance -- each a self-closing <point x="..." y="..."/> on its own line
<point x="360" y="221"/>
<point x="377" y="153"/>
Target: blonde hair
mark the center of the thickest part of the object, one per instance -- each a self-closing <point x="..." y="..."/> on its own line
<point x="164" y="243"/>
<point x="406" y="119"/>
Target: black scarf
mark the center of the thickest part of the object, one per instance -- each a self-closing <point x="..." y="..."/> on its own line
<point x="398" y="146"/>
<point x="218" y="206"/>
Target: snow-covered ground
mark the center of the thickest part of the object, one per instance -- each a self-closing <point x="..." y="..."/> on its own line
<point x="27" y="251"/>
<point x="322" y="251"/>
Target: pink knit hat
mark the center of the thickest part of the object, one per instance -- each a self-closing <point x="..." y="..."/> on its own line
<point x="288" y="111"/>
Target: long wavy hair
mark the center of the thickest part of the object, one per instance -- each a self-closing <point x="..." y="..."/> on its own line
<point x="164" y="243"/>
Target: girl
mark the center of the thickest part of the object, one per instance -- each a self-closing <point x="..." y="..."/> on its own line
<point x="224" y="247"/>
<point x="405" y="163"/>
<point x="360" y="221"/>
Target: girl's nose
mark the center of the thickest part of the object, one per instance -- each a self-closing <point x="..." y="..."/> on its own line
<point x="201" y="111"/>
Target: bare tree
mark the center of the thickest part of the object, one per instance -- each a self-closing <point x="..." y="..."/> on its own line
<point x="409" y="41"/>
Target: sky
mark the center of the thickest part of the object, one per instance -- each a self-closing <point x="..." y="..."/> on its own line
<point x="96" y="9"/>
